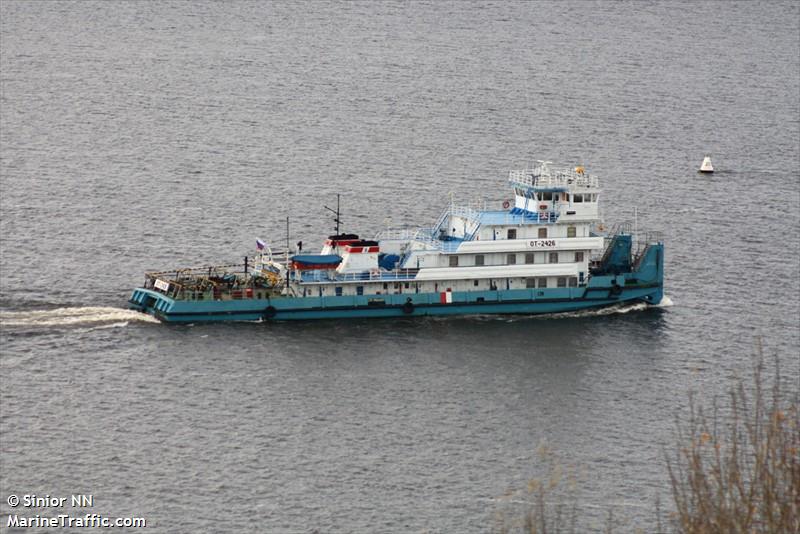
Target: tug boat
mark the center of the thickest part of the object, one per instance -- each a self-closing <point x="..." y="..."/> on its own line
<point x="545" y="250"/>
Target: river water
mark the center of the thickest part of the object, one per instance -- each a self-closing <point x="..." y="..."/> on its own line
<point x="142" y="136"/>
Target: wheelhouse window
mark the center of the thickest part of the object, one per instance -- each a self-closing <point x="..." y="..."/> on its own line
<point x="479" y="259"/>
<point x="511" y="259"/>
<point x="528" y="258"/>
<point x="542" y="233"/>
<point x="512" y="233"/>
<point x="577" y="198"/>
<point x="571" y="231"/>
<point x="579" y="257"/>
<point x="553" y="257"/>
<point x="454" y="261"/>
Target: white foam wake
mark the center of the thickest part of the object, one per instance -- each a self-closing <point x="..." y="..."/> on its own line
<point x="610" y="310"/>
<point x="73" y="317"/>
<point x="666" y="302"/>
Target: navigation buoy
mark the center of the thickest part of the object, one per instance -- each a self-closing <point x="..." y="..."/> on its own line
<point x="706" y="166"/>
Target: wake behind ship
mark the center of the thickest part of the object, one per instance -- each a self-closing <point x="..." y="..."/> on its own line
<point x="545" y="251"/>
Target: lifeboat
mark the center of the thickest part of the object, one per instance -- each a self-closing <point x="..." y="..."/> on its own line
<point x="311" y="262"/>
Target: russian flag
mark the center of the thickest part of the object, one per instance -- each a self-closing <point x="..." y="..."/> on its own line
<point x="260" y="245"/>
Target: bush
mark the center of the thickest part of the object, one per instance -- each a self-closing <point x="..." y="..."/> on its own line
<point x="743" y="474"/>
<point x="539" y="508"/>
<point x="737" y="471"/>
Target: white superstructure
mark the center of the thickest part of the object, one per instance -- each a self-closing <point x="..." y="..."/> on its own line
<point x="541" y="238"/>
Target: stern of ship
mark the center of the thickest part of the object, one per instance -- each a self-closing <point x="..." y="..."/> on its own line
<point x="631" y="268"/>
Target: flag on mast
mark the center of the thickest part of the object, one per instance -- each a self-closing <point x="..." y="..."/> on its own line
<point x="260" y="245"/>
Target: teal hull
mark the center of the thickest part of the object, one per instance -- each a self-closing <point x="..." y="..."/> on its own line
<point x="520" y="301"/>
<point x="644" y="283"/>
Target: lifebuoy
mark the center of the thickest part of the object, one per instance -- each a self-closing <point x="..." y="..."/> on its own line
<point x="270" y="312"/>
<point x="408" y="307"/>
<point x="506" y="204"/>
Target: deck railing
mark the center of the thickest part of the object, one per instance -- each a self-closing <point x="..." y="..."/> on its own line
<point x="373" y="275"/>
<point x="229" y="277"/>
<point x="543" y="175"/>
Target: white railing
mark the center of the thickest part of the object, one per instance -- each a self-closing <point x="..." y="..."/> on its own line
<point x="403" y="233"/>
<point x="371" y="275"/>
<point x="544" y="176"/>
<point x="466" y="211"/>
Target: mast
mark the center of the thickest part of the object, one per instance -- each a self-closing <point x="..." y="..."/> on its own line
<point x="287" y="256"/>
<point x="336" y="212"/>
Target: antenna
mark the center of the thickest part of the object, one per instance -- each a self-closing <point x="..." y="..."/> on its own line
<point x="287" y="256"/>
<point x="336" y="212"/>
<point x="287" y="234"/>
